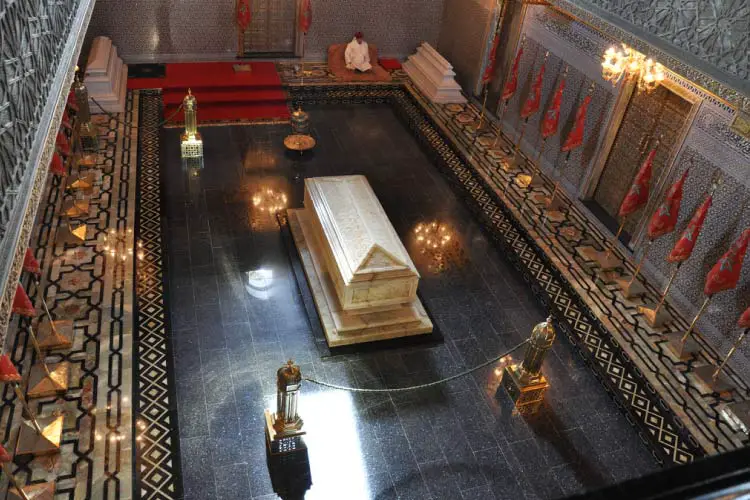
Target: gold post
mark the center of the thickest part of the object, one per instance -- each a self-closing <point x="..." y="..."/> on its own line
<point x="46" y="310"/>
<point x="517" y="147"/>
<point x="666" y="289"/>
<point x="484" y="105"/>
<point x="500" y="126"/>
<point x="538" y="159"/>
<point x="695" y="320"/>
<point x="640" y="262"/>
<point x="25" y="404"/>
<point x="38" y="350"/>
<point x="730" y="353"/>
<point x="616" y="238"/>
<point x="12" y="480"/>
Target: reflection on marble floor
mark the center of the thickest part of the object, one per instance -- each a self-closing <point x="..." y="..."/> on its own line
<point x="237" y="315"/>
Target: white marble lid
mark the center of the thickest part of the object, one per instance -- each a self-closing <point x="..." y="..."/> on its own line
<point x="362" y="239"/>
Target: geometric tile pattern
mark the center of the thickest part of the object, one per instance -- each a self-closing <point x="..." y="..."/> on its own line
<point x="657" y="392"/>
<point x="157" y="454"/>
<point x="669" y="381"/>
<point x="84" y="284"/>
<point x="670" y="442"/>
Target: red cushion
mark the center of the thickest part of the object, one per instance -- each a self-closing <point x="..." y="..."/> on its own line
<point x="390" y="64"/>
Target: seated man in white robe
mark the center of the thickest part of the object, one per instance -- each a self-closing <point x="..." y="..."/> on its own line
<point x="357" y="54"/>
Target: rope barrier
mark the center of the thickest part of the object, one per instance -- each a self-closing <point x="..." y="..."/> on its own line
<point x="115" y="118"/>
<point x="420" y="386"/>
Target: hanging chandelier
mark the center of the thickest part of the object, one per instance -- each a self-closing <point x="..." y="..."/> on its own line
<point x="628" y="63"/>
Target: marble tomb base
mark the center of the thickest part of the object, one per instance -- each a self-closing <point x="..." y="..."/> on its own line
<point x="361" y="278"/>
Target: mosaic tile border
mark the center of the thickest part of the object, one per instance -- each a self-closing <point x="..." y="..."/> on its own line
<point x="81" y="283"/>
<point x="157" y="457"/>
<point x="670" y="441"/>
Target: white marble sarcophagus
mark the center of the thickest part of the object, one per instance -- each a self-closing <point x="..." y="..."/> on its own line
<point x="433" y="75"/>
<point x="361" y="277"/>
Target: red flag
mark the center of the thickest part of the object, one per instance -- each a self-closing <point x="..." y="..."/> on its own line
<point x="8" y="371"/>
<point x="638" y="194"/>
<point x="4" y="455"/>
<point x="549" y="124"/>
<point x="30" y="264"/>
<point x="62" y="143"/>
<point x="510" y="85"/>
<point x="744" y="321"/>
<point x="305" y="16"/>
<point x="56" y="165"/>
<point x="575" y="137"/>
<point x="22" y="303"/>
<point x="532" y="103"/>
<point x="684" y="246"/>
<point x="664" y="219"/>
<point x="490" y="69"/>
<point x="244" y="14"/>
<point x="726" y="272"/>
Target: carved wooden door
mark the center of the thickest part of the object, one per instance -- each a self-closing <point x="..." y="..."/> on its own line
<point x="273" y="29"/>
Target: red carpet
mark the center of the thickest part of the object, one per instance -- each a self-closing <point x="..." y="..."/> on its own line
<point x="222" y="93"/>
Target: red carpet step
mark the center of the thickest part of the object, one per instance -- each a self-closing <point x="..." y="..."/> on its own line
<point x="222" y="93"/>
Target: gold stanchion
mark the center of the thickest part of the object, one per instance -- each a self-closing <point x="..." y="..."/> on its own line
<point x="709" y="375"/>
<point x="75" y="208"/>
<point x="37" y="435"/>
<point x="629" y="285"/>
<point x="683" y="346"/>
<point x="656" y="317"/>
<point x="604" y="259"/>
<point x="479" y="124"/>
<point x="44" y="382"/>
<point x="55" y="334"/>
<point x="73" y="235"/>
<point x="37" y="491"/>
<point x="526" y="181"/>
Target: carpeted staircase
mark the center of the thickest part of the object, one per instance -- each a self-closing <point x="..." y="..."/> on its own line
<point x="222" y="93"/>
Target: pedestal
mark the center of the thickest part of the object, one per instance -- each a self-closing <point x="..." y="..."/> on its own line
<point x="629" y="287"/>
<point x="83" y="184"/>
<point x="526" y="181"/>
<point x="280" y="443"/>
<point x="72" y="235"/>
<point x="655" y="319"/>
<point x="41" y="385"/>
<point x="682" y="350"/>
<point x="58" y="338"/>
<point x="40" y="491"/>
<point x="75" y="208"/>
<point x="737" y="415"/>
<point x="599" y="258"/>
<point x="527" y="397"/>
<point x="47" y="443"/>
<point x="721" y="385"/>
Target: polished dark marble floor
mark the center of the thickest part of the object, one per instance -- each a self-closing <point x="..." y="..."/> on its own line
<point x="237" y="314"/>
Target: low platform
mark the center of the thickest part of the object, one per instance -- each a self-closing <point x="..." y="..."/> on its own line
<point x="342" y="327"/>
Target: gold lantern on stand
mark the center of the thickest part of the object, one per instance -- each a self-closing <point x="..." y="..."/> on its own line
<point x="191" y="143"/>
<point x="524" y="381"/>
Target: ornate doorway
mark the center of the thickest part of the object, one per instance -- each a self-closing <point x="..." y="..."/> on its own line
<point x="664" y="113"/>
<point x="273" y="29"/>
